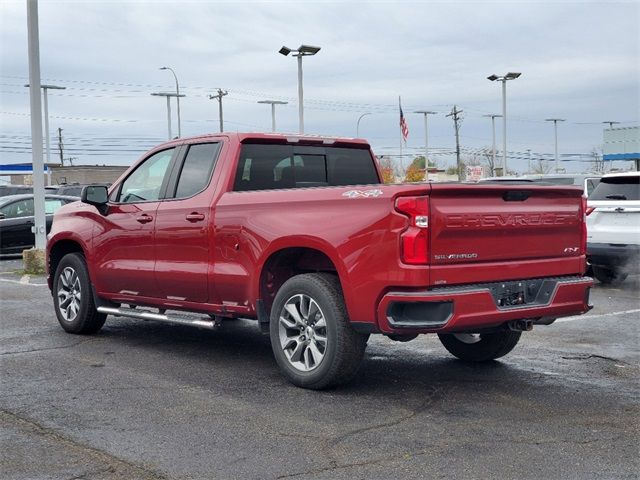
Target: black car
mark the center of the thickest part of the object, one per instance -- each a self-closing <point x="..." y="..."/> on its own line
<point x="16" y="220"/>
<point x="6" y="190"/>
<point x="75" y="189"/>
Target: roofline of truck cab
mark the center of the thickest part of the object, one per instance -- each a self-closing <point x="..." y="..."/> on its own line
<point x="286" y="138"/>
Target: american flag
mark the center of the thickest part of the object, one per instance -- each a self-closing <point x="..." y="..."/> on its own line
<point x="404" y="129"/>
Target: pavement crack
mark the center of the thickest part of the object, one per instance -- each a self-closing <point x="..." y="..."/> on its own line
<point x="93" y="473"/>
<point x="390" y="423"/>
<point x="118" y="465"/>
<point x="335" y="467"/>
<point x="44" y="349"/>
<point x="587" y="357"/>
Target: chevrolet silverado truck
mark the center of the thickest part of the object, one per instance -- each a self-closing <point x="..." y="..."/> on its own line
<point x="299" y="233"/>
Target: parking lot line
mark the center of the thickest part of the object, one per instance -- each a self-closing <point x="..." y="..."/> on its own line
<point x="589" y="317"/>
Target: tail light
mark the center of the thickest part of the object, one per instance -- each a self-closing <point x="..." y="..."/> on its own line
<point x="414" y="239"/>
<point x="585" y="211"/>
<point x="589" y="210"/>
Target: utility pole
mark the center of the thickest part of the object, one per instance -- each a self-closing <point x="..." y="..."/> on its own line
<point x="529" y="159"/>
<point x="60" y="147"/>
<point x="455" y="115"/>
<point x="219" y="98"/>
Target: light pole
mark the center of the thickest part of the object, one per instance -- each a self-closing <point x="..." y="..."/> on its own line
<point x="358" y="123"/>
<point x="503" y="79"/>
<point x="33" y="42"/>
<point x="168" y="95"/>
<point x="611" y="123"/>
<point x="426" y="113"/>
<point x="177" y="96"/>
<point x="273" y="104"/>
<point x="493" y="117"/>
<point x="44" y="88"/>
<point x="555" y="127"/>
<point x="302" y="51"/>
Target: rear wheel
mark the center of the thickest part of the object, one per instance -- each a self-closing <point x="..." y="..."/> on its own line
<point x="73" y="296"/>
<point x="609" y="276"/>
<point x="480" y="347"/>
<point x="311" y="335"/>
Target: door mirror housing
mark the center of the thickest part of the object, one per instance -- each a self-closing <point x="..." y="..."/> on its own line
<point x="96" y="195"/>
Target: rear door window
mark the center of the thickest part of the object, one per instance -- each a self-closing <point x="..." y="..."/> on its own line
<point x="197" y="169"/>
<point x="617" y="188"/>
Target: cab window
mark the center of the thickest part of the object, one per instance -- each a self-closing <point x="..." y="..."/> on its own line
<point x="145" y="182"/>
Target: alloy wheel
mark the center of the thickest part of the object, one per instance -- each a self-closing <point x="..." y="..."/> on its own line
<point x="69" y="294"/>
<point x="302" y="330"/>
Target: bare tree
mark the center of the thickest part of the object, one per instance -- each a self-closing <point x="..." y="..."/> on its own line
<point x="541" y="167"/>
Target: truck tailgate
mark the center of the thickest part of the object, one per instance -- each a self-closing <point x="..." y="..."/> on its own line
<point x="500" y="232"/>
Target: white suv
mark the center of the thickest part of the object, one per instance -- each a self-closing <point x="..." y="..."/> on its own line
<point x="613" y="227"/>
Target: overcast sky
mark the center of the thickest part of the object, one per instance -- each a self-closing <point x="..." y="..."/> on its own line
<point x="579" y="61"/>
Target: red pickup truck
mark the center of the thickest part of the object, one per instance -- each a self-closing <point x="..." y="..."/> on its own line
<point x="298" y="233"/>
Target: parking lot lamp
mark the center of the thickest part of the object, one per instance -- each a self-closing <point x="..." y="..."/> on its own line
<point x="426" y="113"/>
<point x="273" y="104"/>
<point x="302" y="51"/>
<point x="504" y="79"/>
<point x="177" y="96"/>
<point x="555" y="127"/>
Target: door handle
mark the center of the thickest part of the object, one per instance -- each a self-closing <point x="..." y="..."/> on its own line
<point x="195" y="217"/>
<point x="144" y="218"/>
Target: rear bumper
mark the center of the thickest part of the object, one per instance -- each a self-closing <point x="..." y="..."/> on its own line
<point x="613" y="255"/>
<point x="474" y="307"/>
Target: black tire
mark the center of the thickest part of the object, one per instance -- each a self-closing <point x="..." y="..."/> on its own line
<point x="344" y="347"/>
<point x="87" y="319"/>
<point x="488" y="346"/>
<point x="609" y="276"/>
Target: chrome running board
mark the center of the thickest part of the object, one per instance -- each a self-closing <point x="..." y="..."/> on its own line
<point x="177" y="319"/>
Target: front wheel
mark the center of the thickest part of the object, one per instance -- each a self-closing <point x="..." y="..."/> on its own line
<point x="480" y="347"/>
<point x="311" y="336"/>
<point x="73" y="296"/>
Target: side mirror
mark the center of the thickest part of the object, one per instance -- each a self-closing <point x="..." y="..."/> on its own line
<point x="95" y="195"/>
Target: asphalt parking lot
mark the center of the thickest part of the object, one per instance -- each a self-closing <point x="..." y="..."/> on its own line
<point x="155" y="401"/>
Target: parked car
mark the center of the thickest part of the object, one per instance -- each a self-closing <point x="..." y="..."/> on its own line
<point x="299" y="233"/>
<point x="16" y="220"/>
<point x="613" y="227"/>
<point x="75" y="189"/>
<point x="6" y="190"/>
<point x="588" y="182"/>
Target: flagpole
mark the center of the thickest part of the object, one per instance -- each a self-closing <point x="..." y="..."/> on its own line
<point x="400" y="128"/>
